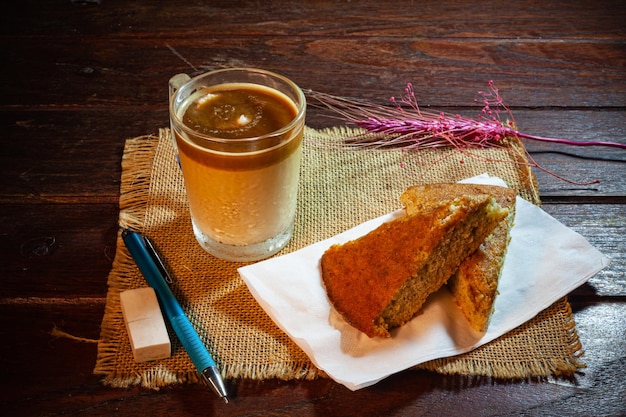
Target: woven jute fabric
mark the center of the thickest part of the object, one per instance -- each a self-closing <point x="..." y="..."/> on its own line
<point x="339" y="188"/>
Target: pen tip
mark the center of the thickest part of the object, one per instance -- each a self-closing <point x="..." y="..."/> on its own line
<point x="225" y="399"/>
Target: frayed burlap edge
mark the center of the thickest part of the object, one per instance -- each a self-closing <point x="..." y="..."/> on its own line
<point x="136" y="173"/>
<point x="136" y="167"/>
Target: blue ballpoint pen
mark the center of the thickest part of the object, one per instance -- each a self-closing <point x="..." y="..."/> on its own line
<point x="156" y="275"/>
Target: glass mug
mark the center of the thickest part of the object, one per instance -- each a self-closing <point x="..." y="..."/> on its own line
<point x="238" y="133"/>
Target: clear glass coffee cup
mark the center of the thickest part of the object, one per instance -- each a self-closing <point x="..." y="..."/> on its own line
<point x="238" y="133"/>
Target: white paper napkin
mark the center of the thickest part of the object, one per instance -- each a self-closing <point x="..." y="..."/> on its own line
<point x="545" y="261"/>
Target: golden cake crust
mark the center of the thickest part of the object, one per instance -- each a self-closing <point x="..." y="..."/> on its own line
<point x="425" y="197"/>
<point x="362" y="276"/>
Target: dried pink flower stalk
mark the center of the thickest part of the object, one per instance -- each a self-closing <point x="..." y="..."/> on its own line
<point x="407" y="126"/>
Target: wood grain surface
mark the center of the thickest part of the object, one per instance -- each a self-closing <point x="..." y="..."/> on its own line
<point x="80" y="77"/>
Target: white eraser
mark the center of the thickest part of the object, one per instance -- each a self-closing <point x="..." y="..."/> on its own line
<point x="144" y="322"/>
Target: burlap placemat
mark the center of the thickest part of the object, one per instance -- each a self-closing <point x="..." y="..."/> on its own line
<point x="339" y="189"/>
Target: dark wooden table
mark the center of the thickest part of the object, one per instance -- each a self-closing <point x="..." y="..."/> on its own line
<point x="82" y="77"/>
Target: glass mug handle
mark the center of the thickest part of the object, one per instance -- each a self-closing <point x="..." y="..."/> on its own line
<point x="175" y="83"/>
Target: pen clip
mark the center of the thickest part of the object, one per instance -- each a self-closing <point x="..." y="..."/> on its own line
<point x="157" y="260"/>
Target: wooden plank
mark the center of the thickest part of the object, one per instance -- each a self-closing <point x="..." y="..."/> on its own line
<point x="603" y="19"/>
<point x="604" y="226"/>
<point x="57" y="250"/>
<point x="70" y="155"/>
<point x="104" y="71"/>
